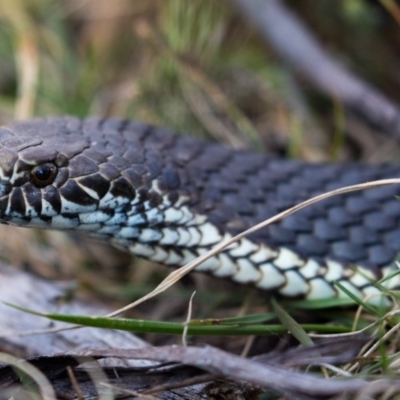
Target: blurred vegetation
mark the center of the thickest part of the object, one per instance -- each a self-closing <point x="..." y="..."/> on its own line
<point x="193" y="66"/>
<point x="157" y="61"/>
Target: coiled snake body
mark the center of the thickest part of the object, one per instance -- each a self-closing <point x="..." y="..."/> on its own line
<point x="170" y="198"/>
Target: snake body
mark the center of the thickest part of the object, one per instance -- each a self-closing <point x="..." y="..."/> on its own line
<point x="170" y="198"/>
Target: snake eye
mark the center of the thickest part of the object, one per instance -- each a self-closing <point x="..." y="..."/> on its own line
<point x="43" y="175"/>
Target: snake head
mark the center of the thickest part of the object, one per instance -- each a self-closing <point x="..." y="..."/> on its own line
<point x="53" y="175"/>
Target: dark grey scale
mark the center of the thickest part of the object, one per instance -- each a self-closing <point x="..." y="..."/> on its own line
<point x="379" y="221"/>
<point x="311" y="245"/>
<point x="242" y="206"/>
<point x="390" y="207"/>
<point x="47" y="129"/>
<point x="135" y="176"/>
<point x="136" y="130"/>
<point x="280" y="204"/>
<point x="81" y="166"/>
<point x="115" y="141"/>
<point x="113" y="124"/>
<point x="228" y="216"/>
<point x="33" y="196"/>
<point x="285" y="190"/>
<point x="318" y="210"/>
<point x="160" y="140"/>
<point x="363" y="235"/>
<point x="276" y="179"/>
<point x="140" y="169"/>
<point x="133" y="152"/>
<point x="52" y="196"/>
<point x="92" y="124"/>
<point x="340" y="216"/>
<point x="308" y="174"/>
<point x="381" y="255"/>
<point x="319" y="173"/>
<point x="61" y="178"/>
<point x="72" y="192"/>
<point x="213" y="159"/>
<point x="154" y="163"/>
<point x="263" y="183"/>
<point x="94" y="155"/>
<point x="381" y="194"/>
<point x="34" y="155"/>
<point x="257" y="196"/>
<point x="305" y="186"/>
<point x="241" y="166"/>
<point x="186" y="152"/>
<point x="351" y="252"/>
<point x="154" y="199"/>
<point x="359" y="204"/>
<point x="169" y="180"/>
<point x="297" y="223"/>
<point x="118" y="162"/>
<point x="20" y="180"/>
<point x="99" y="145"/>
<point x="109" y="171"/>
<point x="173" y="197"/>
<point x="17" y="202"/>
<point x="228" y="176"/>
<point x="350" y="175"/>
<point x="97" y="183"/>
<point x="279" y="235"/>
<point x="247" y="187"/>
<point x="121" y="187"/>
<point x="283" y="168"/>
<point x="225" y="186"/>
<point x="3" y="206"/>
<point x="5" y="135"/>
<point x="73" y="124"/>
<point x="210" y="197"/>
<point x="70" y="150"/>
<point x="263" y="212"/>
<point x="328" y="231"/>
<point x="391" y="239"/>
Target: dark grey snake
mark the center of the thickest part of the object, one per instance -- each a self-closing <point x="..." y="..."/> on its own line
<point x="170" y="198"/>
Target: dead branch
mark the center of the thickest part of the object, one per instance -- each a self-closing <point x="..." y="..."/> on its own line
<point x="267" y="375"/>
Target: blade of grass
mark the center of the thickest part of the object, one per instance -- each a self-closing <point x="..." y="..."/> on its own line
<point x="359" y="301"/>
<point x="250" y="319"/>
<point x="174" y="328"/>
<point x="292" y="326"/>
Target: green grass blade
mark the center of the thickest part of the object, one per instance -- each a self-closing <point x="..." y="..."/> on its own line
<point x="292" y="326"/>
<point x="174" y="328"/>
<point x="358" y="301"/>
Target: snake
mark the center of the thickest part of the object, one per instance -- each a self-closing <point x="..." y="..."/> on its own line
<point x="170" y="198"/>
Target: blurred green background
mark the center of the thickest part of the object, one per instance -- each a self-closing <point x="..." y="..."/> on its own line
<point x="194" y="66"/>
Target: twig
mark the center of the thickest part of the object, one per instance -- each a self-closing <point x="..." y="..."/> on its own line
<point x="220" y="363"/>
